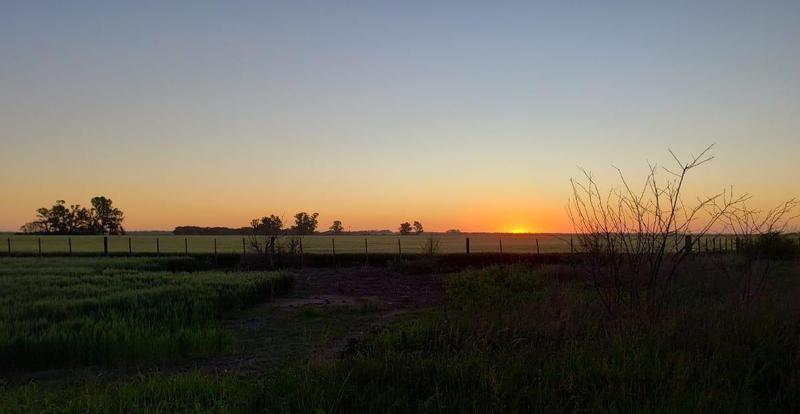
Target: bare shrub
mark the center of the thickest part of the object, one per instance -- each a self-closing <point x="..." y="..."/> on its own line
<point x="432" y="245"/>
<point x="760" y="242"/>
<point x="634" y="237"/>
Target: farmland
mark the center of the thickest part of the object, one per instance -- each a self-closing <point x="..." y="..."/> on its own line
<point x="514" y="338"/>
<point x="317" y="244"/>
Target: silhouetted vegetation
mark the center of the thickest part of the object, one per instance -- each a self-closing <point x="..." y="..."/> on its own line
<point x="336" y="227"/>
<point x="101" y="218"/>
<point x="305" y="223"/>
<point x="210" y="231"/>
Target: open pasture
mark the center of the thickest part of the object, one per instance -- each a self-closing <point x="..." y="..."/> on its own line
<point x="316" y="244"/>
<point x="169" y="244"/>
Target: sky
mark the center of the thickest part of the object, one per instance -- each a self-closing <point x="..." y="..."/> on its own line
<point x="467" y="115"/>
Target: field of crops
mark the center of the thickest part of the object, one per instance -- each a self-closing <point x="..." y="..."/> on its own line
<point x="511" y="243"/>
<point x="77" y="311"/>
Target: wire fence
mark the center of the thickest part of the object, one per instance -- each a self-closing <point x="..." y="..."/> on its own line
<point x="319" y="244"/>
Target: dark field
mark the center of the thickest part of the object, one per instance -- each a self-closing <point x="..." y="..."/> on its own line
<point x="100" y="335"/>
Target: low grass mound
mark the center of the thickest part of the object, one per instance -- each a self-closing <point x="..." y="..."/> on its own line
<point x="73" y="312"/>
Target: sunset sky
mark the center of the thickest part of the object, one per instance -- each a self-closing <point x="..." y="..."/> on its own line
<point x="468" y="115"/>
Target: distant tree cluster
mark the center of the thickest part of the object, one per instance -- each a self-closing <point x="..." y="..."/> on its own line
<point x="101" y="218"/>
<point x="407" y="228"/>
<point x="210" y="231"/>
<point x="272" y="225"/>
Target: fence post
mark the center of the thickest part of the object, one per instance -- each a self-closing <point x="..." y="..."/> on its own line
<point x="706" y="245"/>
<point x="333" y="249"/>
<point x="158" y="247"/>
<point x="571" y="246"/>
<point x="186" y="245"/>
<point x="301" y="252"/>
<point x="69" y="242"/>
<point x="105" y="245"/>
<point x="366" y="252"/>
<point x="537" y="247"/>
<point x="467" y="246"/>
<point x="244" y="248"/>
<point x="215" y="251"/>
<point x="40" y="246"/>
<point x="271" y="251"/>
<point x="687" y="244"/>
<point x="130" y="247"/>
<point x="399" y="248"/>
<point x="9" y="246"/>
<point x="501" y="246"/>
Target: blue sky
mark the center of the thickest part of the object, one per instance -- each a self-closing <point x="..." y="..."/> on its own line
<point x="462" y="114"/>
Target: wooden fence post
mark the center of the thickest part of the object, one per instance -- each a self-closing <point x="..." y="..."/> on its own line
<point x="271" y="252"/>
<point x="366" y="252"/>
<point x="40" y="246"/>
<point x="186" y="245"/>
<point x="467" y="246"/>
<point x="537" y="247"/>
<point x="333" y="249"/>
<point x="571" y="246"/>
<point x="69" y="242"/>
<point x="687" y="244"/>
<point x="399" y="248"/>
<point x="301" y="252"/>
<point x="130" y="247"/>
<point x="9" y="246"/>
<point x="158" y="247"/>
<point x="501" y="246"/>
<point x="215" y="251"/>
<point x="105" y="245"/>
<point x="244" y="248"/>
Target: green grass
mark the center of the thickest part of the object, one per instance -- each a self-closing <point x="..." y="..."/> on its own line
<point x="512" y="339"/>
<point x="512" y="243"/>
<point x="73" y="312"/>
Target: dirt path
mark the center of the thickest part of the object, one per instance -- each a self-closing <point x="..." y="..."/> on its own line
<point x="326" y="312"/>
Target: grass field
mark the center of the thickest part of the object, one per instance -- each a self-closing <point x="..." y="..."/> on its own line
<point x="516" y="243"/>
<point x="510" y="339"/>
<point x="511" y="243"/>
<point x="77" y="311"/>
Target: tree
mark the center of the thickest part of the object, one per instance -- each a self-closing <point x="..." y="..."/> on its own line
<point x="271" y="225"/>
<point x="74" y="219"/>
<point x="418" y="227"/>
<point x="32" y="228"/>
<point x="108" y="219"/>
<point x="336" y="227"/>
<point x="405" y="228"/>
<point x="305" y="223"/>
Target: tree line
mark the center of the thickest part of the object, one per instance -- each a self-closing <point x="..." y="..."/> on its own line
<point x="101" y="218"/>
<point x="303" y="224"/>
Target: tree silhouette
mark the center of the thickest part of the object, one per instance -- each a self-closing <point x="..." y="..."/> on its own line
<point x="418" y="227"/>
<point x="305" y="223"/>
<point x="107" y="218"/>
<point x="62" y="219"/>
<point x="405" y="228"/>
<point x="336" y="227"/>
